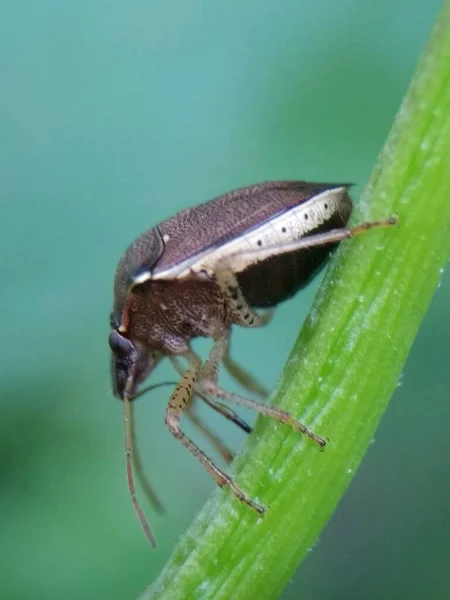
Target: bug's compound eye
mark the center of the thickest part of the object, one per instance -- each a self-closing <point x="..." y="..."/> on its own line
<point x="123" y="363"/>
<point x="121" y="347"/>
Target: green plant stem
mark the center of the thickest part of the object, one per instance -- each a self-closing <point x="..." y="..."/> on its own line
<point x="344" y="367"/>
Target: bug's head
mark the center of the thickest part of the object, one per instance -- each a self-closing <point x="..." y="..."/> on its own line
<point x="131" y="364"/>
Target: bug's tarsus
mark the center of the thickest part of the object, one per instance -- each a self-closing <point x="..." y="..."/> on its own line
<point x="365" y="225"/>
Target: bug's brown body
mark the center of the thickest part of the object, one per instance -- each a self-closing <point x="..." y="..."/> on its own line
<point x="184" y="308"/>
<point x="206" y="269"/>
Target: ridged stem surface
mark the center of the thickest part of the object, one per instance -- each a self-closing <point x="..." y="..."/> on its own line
<point x="344" y="367"/>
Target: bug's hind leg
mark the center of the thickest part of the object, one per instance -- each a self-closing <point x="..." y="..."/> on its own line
<point x="238" y="373"/>
<point x="241" y="259"/>
<point x="211" y="388"/>
<point x="179" y="401"/>
<point x="225" y="269"/>
<point x="245" y="379"/>
<point x="212" y="437"/>
<point x="208" y="385"/>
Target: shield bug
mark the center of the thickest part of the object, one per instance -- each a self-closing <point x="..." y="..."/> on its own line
<point x="201" y="272"/>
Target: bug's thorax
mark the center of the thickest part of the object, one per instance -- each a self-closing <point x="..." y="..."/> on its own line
<point x="165" y="315"/>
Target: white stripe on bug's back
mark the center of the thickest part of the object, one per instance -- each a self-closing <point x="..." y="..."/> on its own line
<point x="283" y="229"/>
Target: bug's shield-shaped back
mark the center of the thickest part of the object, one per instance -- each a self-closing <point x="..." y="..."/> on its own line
<point x="140" y="258"/>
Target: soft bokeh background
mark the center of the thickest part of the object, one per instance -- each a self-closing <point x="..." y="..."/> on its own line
<point x="115" y="115"/>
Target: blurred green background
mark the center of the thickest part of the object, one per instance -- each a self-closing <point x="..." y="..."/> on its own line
<point x="113" y="116"/>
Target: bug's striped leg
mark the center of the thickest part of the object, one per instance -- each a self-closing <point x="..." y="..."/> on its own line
<point x="240" y="260"/>
<point x="213" y="438"/>
<point x="208" y="385"/>
<point x="220" y="353"/>
<point x="282" y="416"/>
<point x="223" y="409"/>
<point x="225" y="270"/>
<point x="237" y="305"/>
<point x="226" y="412"/>
<point x="245" y="379"/>
<point x="244" y="316"/>
<point x="178" y="403"/>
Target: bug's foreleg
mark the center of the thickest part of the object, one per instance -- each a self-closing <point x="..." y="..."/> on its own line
<point x="195" y="419"/>
<point x="223" y="409"/>
<point x="178" y="403"/>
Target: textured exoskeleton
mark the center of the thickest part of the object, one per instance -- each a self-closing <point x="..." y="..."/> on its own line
<point x="206" y="269"/>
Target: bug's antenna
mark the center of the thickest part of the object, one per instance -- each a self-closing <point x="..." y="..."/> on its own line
<point x="136" y="456"/>
<point x="139" y="470"/>
<point x="129" y="465"/>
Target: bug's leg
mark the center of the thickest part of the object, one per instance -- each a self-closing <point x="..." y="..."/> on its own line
<point x="226" y="412"/>
<point x="245" y="379"/>
<point x="178" y="403"/>
<point x="240" y="259"/>
<point x="237" y="305"/>
<point x="208" y="384"/>
<point x="223" y="409"/>
<point x="222" y="448"/>
<point x="275" y="413"/>
<point x="221" y="353"/>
